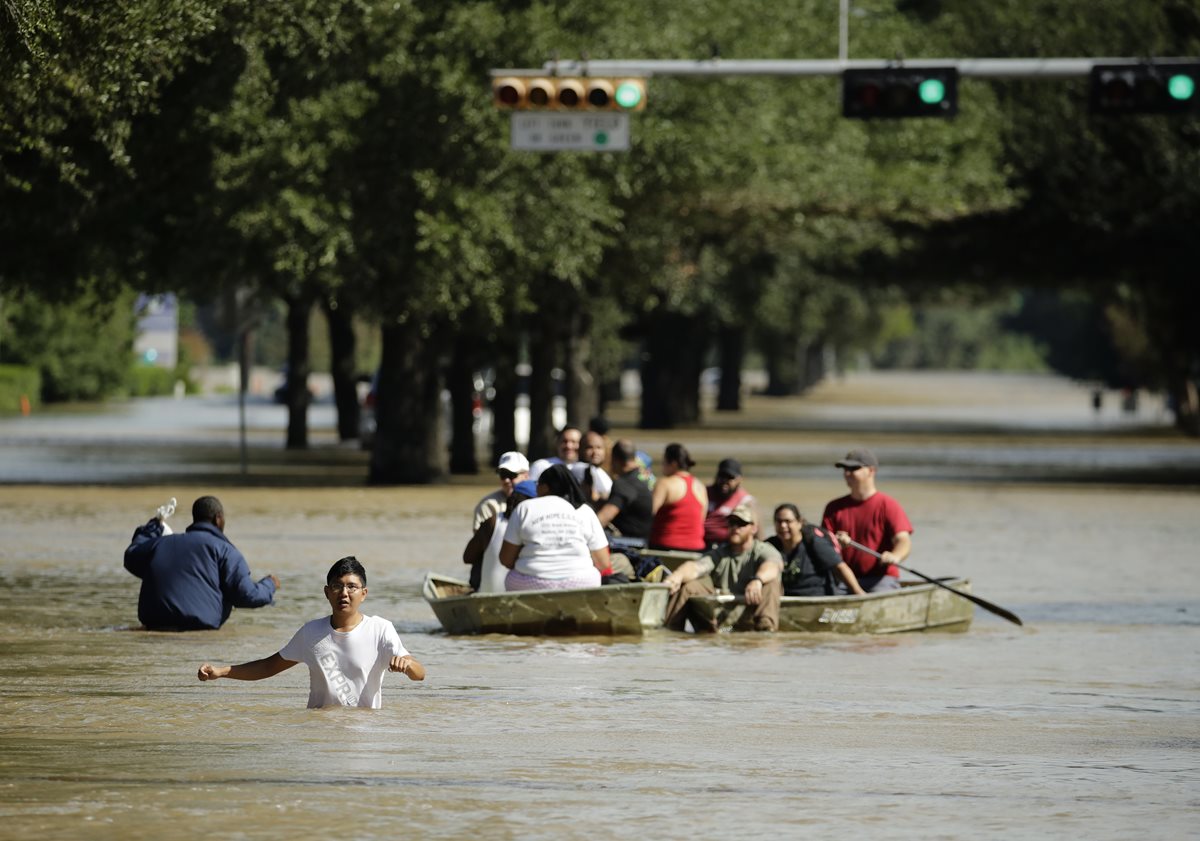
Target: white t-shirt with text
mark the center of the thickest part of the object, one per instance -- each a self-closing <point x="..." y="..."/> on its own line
<point x="345" y="668"/>
<point x="556" y="539"/>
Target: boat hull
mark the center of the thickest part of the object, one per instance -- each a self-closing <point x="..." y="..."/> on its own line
<point x="620" y="609"/>
<point x="914" y="607"/>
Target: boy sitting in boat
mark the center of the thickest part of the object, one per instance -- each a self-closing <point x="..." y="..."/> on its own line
<point x="346" y="652"/>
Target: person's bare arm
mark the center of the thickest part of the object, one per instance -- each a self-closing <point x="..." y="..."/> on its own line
<point x="685" y="572"/>
<point x="473" y="553"/>
<point x="767" y="571"/>
<point x="659" y="497"/>
<point x="408" y="665"/>
<point x="254" y="670"/>
<point x="901" y="546"/>
<point x="509" y="552"/>
<point x="607" y="513"/>
<point x="601" y="560"/>
<point x="843" y="571"/>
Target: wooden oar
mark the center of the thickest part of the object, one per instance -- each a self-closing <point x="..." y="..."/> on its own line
<point x="984" y="603"/>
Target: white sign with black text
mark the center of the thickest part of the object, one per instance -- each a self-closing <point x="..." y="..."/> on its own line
<point x="558" y="131"/>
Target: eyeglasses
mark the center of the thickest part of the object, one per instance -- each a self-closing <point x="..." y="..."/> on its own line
<point x="737" y="524"/>
<point x="505" y="474"/>
<point x="349" y="588"/>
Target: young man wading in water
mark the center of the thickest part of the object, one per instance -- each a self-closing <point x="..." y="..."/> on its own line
<point x="346" y="653"/>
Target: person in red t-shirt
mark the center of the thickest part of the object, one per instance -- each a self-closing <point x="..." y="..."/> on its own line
<point x="871" y="518"/>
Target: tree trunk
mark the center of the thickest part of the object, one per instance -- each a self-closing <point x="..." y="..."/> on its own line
<point x="1185" y="400"/>
<point x="732" y="345"/>
<point x="784" y="357"/>
<point x="460" y="381"/>
<point x="543" y="348"/>
<point x="342" y="366"/>
<point x="504" y="403"/>
<point x="814" y="369"/>
<point x="298" y="370"/>
<point x="671" y="364"/>
<point x="408" y="439"/>
<point x="583" y="394"/>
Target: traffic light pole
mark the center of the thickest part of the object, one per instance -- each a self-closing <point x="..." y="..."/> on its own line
<point x="981" y="68"/>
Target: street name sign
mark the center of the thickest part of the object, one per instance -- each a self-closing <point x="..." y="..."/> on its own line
<point x="557" y="131"/>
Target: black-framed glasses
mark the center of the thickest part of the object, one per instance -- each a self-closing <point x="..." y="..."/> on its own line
<point x="507" y="474"/>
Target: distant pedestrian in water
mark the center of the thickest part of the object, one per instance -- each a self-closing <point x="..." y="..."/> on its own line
<point x="193" y="581"/>
<point x="346" y="653"/>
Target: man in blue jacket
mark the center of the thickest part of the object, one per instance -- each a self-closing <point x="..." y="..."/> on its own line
<point x="193" y="581"/>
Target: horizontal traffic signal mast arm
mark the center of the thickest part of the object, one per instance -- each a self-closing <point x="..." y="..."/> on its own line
<point x="983" y="68"/>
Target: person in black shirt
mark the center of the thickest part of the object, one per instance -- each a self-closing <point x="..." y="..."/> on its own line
<point x="628" y="511"/>
<point x="810" y="556"/>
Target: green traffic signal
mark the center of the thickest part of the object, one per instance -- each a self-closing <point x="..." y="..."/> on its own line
<point x="931" y="91"/>
<point x="1181" y="87"/>
<point x="628" y="95"/>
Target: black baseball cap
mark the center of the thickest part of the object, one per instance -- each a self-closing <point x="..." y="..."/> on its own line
<point x="858" y="458"/>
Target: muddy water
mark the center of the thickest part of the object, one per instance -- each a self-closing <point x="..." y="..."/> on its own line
<point x="1085" y="723"/>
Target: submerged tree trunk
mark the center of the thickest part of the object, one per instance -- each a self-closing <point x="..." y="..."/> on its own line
<point x="671" y="364"/>
<point x="342" y="367"/>
<point x="408" y="439"/>
<point x="298" y="399"/>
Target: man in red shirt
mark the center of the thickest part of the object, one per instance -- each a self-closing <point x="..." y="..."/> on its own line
<point x="872" y="518"/>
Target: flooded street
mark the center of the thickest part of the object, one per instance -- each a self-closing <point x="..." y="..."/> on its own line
<point x="1084" y="723"/>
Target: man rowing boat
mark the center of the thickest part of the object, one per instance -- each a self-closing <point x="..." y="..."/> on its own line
<point x="872" y="518"/>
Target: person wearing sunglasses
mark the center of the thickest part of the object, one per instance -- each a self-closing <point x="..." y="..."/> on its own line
<point x="870" y="517"/>
<point x="743" y="565"/>
<point x="513" y="468"/>
<point x="347" y="653"/>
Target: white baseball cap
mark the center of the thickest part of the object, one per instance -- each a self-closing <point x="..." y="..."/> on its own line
<point x="513" y="462"/>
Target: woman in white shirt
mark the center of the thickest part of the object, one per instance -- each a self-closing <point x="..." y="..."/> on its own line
<point x="554" y="542"/>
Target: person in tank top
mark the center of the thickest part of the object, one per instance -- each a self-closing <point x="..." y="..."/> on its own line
<point x="680" y="504"/>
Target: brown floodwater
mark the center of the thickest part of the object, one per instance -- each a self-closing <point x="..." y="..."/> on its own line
<point x="1085" y="723"/>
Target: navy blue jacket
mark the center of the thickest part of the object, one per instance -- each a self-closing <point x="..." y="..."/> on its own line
<point x="191" y="581"/>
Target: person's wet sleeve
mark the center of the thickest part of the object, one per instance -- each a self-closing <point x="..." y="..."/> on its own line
<point x="243" y="590"/>
<point x="141" y="547"/>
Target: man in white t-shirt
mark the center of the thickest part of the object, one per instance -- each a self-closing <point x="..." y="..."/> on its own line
<point x="566" y="447"/>
<point x="346" y="653"/>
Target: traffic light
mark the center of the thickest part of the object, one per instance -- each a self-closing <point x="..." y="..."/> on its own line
<point x="1144" y="88"/>
<point x="900" y="92"/>
<point x="557" y="93"/>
